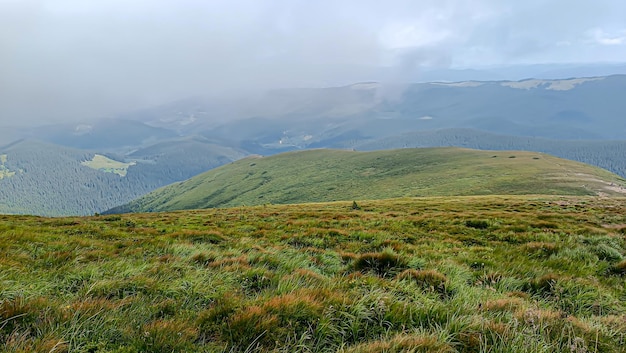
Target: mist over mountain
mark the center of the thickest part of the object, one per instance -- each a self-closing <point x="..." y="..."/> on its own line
<point x="576" y="108"/>
<point x="576" y="118"/>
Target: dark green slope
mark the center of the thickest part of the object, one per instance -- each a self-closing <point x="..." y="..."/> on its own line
<point x="46" y="179"/>
<point x="330" y="175"/>
<point x="179" y="159"/>
<point x="50" y="180"/>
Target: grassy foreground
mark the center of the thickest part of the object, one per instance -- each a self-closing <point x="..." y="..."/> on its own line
<point x="465" y="274"/>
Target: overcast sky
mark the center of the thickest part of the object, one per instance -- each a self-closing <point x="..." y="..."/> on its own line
<point x="83" y="59"/>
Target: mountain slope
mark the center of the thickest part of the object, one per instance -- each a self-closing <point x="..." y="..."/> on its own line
<point x="331" y="175"/>
<point x="604" y="154"/>
<point x="46" y="179"/>
<point x="50" y="180"/>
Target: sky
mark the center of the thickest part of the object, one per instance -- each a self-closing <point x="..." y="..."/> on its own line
<point x="64" y="60"/>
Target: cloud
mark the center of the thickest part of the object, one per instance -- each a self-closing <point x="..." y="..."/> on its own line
<point x="599" y="36"/>
<point x="76" y="59"/>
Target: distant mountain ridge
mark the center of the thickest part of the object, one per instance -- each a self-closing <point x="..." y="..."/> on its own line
<point x="575" y="108"/>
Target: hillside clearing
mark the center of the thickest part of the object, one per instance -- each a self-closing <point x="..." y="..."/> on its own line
<point x="108" y="165"/>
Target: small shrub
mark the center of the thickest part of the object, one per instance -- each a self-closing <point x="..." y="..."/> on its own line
<point x="477" y="224"/>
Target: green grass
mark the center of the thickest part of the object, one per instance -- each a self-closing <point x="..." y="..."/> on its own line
<point x="440" y="274"/>
<point x="107" y="165"/>
<point x="334" y="175"/>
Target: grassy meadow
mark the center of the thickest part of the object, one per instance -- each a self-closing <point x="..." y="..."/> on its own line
<point x="454" y="274"/>
<point x="107" y="165"/>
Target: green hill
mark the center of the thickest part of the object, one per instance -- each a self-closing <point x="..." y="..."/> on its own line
<point x="511" y="274"/>
<point x="604" y="154"/>
<point x="332" y="175"/>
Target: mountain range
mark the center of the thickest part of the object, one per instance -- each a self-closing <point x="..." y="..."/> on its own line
<point x="575" y="118"/>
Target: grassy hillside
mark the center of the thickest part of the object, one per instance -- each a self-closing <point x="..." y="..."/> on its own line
<point x="460" y="274"/>
<point x="332" y="175"/>
<point x="604" y="154"/>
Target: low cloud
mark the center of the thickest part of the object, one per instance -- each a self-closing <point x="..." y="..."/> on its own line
<point x="77" y="60"/>
<point x="601" y="37"/>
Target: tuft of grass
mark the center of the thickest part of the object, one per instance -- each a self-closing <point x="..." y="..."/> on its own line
<point x="384" y="264"/>
<point x="619" y="268"/>
<point x="541" y="249"/>
<point x="427" y="280"/>
<point x="503" y="305"/>
<point x="543" y="285"/>
<point x="607" y="252"/>
<point x="405" y="343"/>
<point x="477" y="224"/>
